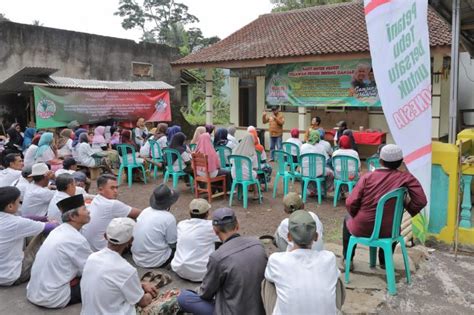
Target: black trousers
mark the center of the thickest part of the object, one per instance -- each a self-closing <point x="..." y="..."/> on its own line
<point x="75" y="294"/>
<point x="346" y="235"/>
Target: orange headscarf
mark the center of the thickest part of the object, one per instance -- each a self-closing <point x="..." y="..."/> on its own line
<point x="256" y="141"/>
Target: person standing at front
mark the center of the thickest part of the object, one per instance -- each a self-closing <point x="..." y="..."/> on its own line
<point x="276" y="121"/>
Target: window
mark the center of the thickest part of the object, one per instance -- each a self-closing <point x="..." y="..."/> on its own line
<point x="142" y="69"/>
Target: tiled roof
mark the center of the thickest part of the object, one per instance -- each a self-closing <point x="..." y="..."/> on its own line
<point x="329" y="29"/>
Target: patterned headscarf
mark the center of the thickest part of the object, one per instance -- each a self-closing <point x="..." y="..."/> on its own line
<point x="314" y="137"/>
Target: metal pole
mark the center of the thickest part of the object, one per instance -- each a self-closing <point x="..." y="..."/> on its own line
<point x="453" y="99"/>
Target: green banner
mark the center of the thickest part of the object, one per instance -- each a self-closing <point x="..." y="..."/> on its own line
<point x="322" y="83"/>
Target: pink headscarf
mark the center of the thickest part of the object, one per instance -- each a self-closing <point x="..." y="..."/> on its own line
<point x="98" y="138"/>
<point x="204" y="146"/>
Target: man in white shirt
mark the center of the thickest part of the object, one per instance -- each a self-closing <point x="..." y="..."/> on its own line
<point x="65" y="189"/>
<point x="59" y="263"/>
<point x="69" y="167"/>
<point x="196" y="242"/>
<point x="306" y="281"/>
<point x="103" y="209"/>
<point x="14" y="165"/>
<point x="23" y="182"/>
<point x="291" y="203"/>
<point x="37" y="195"/>
<point x="110" y="285"/>
<point x="15" y="264"/>
<point x="156" y="234"/>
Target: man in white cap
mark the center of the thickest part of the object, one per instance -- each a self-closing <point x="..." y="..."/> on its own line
<point x="305" y="280"/>
<point x="156" y="234"/>
<point x="103" y="209"/>
<point x="37" y="195"/>
<point x="59" y="263"/>
<point x="110" y="285"/>
<point x="196" y="242"/>
<point x="362" y="202"/>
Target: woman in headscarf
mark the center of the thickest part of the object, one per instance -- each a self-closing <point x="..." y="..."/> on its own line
<point x="126" y="138"/>
<point x="28" y="137"/>
<point x="246" y="147"/>
<point x="160" y="135"/>
<point x="324" y="143"/>
<point x="15" y="140"/>
<point x="46" y="152"/>
<point x="199" y="131"/>
<point x="98" y="140"/>
<point x="177" y="143"/>
<point x="87" y="157"/>
<point x="295" y="139"/>
<point x="266" y="167"/>
<point x="204" y="146"/>
<point x="232" y="143"/>
<point x="345" y="149"/>
<point x="348" y="133"/>
<point x="141" y="132"/>
<point x="77" y="134"/>
<point x="65" y="143"/>
<point x="220" y="137"/>
<point x="209" y="129"/>
<point x="30" y="153"/>
<point x="171" y="132"/>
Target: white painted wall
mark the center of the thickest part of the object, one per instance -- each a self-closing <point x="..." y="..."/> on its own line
<point x="466" y="84"/>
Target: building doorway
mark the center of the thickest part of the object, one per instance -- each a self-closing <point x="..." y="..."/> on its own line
<point x="247" y="102"/>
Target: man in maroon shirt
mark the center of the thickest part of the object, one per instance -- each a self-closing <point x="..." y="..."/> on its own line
<point x="362" y="202"/>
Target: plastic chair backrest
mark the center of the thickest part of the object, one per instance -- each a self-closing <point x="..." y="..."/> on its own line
<point x="289" y="147"/>
<point x="373" y="163"/>
<point x="168" y="152"/>
<point x="344" y="162"/>
<point x="192" y="146"/>
<point x="399" y="195"/>
<point x="124" y="150"/>
<point x="283" y="160"/>
<point x="313" y="165"/>
<point x="259" y="159"/>
<point x="224" y="152"/>
<point x="155" y="149"/>
<point x="238" y="161"/>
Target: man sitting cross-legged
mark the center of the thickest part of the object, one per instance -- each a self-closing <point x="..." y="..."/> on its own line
<point x="196" y="242"/>
<point x="234" y="274"/>
<point x="305" y="279"/>
<point x="15" y="264"/>
<point x="58" y="265"/>
<point x="110" y="285"/>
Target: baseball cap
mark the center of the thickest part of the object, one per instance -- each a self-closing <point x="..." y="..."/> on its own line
<point x="120" y="230"/>
<point x="292" y="202"/>
<point x="199" y="206"/>
<point x="302" y="227"/>
<point x="39" y="169"/>
<point x="391" y="153"/>
<point x="223" y="216"/>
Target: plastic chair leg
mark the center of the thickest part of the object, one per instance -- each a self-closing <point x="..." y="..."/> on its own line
<point x="406" y="261"/>
<point x="305" y="189"/>
<point x="144" y="173"/>
<point x="260" y="196"/>
<point x="119" y="179"/>
<point x="232" y="189"/>
<point x="175" y="180"/>
<point x="336" y="193"/>
<point x="166" y="177"/>
<point x="275" y="184"/>
<point x="245" y="190"/>
<point x="390" y="269"/>
<point x="373" y="256"/>
<point x="285" y="185"/>
<point x="318" y="185"/>
<point x="191" y="183"/>
<point x="350" y="248"/>
<point x="130" y="175"/>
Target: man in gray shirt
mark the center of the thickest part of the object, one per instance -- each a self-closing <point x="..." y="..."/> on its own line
<point x="234" y="273"/>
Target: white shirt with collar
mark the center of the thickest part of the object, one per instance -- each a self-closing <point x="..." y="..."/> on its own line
<point x="102" y="211"/>
<point x="53" y="210"/>
<point x="60" y="259"/>
<point x="196" y="242"/>
<point x="155" y="230"/>
<point x="36" y="200"/>
<point x="8" y="176"/>
<point x="282" y="231"/>
<point x="21" y="183"/>
<point x="13" y="230"/>
<point x="110" y="285"/>
<point x="305" y="281"/>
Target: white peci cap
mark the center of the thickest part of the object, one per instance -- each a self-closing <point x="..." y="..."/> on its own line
<point x="391" y="153"/>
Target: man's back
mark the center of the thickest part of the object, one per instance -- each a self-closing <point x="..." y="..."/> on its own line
<point x="234" y="275"/>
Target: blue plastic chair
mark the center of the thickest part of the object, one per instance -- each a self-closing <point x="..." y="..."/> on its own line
<point x="385" y="243"/>
<point x="343" y="175"/>
<point x="238" y="161"/>
<point x="315" y="162"/>
<point x="373" y="163"/>
<point x="224" y="152"/>
<point x="156" y="156"/>
<point x="168" y="154"/>
<point x="260" y="171"/>
<point x="289" y="147"/>
<point x="192" y="146"/>
<point x="284" y="161"/>
<point x="125" y="150"/>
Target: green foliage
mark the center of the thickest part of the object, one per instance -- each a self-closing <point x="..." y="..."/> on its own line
<point x="420" y="227"/>
<point x="287" y="5"/>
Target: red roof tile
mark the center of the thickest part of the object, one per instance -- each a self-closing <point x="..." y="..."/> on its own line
<point x="319" y="30"/>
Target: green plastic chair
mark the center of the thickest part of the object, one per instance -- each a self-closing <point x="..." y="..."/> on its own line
<point x="373" y="163"/>
<point x="168" y="154"/>
<point x="375" y="241"/>
<point x="284" y="161"/>
<point x="238" y="161"/>
<point x="124" y="150"/>
<point x="343" y="177"/>
<point x="260" y="170"/>
<point x="224" y="152"/>
<point x="289" y="147"/>
<point x="313" y="159"/>
<point x="156" y="156"/>
<point x="192" y="146"/>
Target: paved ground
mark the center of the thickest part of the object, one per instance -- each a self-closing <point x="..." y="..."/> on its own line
<point x="439" y="284"/>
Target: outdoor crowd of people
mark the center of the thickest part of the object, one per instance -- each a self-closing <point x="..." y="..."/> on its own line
<point x="69" y="245"/>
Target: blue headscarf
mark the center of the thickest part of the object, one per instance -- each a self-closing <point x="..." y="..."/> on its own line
<point x="28" y="137"/>
<point x="44" y="143"/>
<point x="77" y="134"/>
<point x="171" y="132"/>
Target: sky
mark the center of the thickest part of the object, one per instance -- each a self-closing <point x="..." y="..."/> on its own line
<point x="217" y="17"/>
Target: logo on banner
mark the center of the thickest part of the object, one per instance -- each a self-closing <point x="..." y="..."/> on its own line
<point x="161" y="106"/>
<point x="277" y="90"/>
<point x="45" y="109"/>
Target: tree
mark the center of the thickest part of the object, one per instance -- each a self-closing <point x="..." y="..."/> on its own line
<point x="37" y="23"/>
<point x="287" y="5"/>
